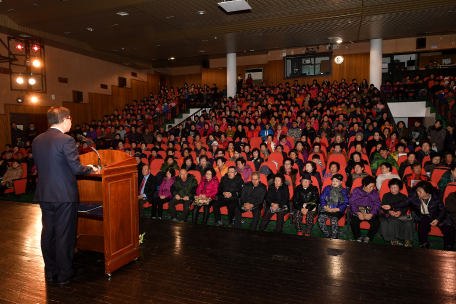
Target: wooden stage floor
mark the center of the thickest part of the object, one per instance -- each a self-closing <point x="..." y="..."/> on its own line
<point x="186" y="263"/>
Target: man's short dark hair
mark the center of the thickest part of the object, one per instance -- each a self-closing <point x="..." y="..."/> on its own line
<point x="387" y="165"/>
<point x="241" y="159"/>
<point x="56" y="115"/>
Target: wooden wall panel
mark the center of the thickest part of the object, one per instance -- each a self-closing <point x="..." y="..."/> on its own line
<point x="211" y="76"/>
<point x="139" y="89"/>
<point x="190" y="79"/>
<point x="153" y="83"/>
<point x="78" y="111"/>
<point x="120" y="97"/>
<point x="354" y="66"/>
<point x="5" y="130"/>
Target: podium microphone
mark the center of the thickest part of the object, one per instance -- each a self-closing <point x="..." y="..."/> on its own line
<point x="89" y="142"/>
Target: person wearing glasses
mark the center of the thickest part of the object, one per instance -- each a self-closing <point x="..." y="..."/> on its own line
<point x="57" y="159"/>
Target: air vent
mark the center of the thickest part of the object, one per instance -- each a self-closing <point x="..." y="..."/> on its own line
<point x="104" y="86"/>
<point x="63" y="80"/>
<point x="134" y="74"/>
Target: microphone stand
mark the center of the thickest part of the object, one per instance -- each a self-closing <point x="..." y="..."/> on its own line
<point x="99" y="160"/>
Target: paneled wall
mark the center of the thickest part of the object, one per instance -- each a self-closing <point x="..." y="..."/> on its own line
<point x="190" y="79"/>
<point x="354" y="66"/>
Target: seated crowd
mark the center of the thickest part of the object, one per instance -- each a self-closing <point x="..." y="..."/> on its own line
<point x="312" y="153"/>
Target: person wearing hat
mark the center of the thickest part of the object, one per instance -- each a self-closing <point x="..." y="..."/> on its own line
<point x="14" y="172"/>
<point x="381" y="158"/>
<point x="305" y="203"/>
<point x="365" y="205"/>
<point x="333" y="203"/>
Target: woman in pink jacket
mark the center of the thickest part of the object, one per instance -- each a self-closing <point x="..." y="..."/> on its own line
<point x="207" y="189"/>
<point x="164" y="193"/>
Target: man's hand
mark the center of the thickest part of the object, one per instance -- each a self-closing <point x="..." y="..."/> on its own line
<point x="140" y="196"/>
<point x="227" y="194"/>
<point x="361" y="216"/>
<point x="327" y="208"/>
<point x="386" y="207"/>
<point x="177" y="197"/>
<point x="186" y="198"/>
<point x="434" y="222"/>
<point x="367" y="216"/>
<point x="275" y="206"/>
<point x="162" y="196"/>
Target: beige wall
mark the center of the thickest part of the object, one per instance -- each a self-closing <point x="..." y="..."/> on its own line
<point x="84" y="74"/>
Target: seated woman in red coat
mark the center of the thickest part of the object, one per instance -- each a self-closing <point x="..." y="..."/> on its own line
<point x="205" y="195"/>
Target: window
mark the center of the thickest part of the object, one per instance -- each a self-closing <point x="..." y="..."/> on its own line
<point x="308" y="65"/>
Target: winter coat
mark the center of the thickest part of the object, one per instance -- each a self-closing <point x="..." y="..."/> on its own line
<point x="12" y="174"/>
<point x="421" y="130"/>
<point x="165" y="187"/>
<point x="295" y="133"/>
<point x="253" y="195"/>
<point x="246" y="172"/>
<point x="361" y="198"/>
<point x="324" y="199"/>
<point x="239" y="135"/>
<point x="165" y="166"/>
<point x="436" y="207"/>
<point x="437" y="137"/>
<point x="279" y="196"/>
<point x="444" y="181"/>
<point x="264" y="133"/>
<point x="234" y="185"/>
<point x="257" y="162"/>
<point x="293" y="175"/>
<point x="209" y="189"/>
<point x="450" y="205"/>
<point x="304" y="196"/>
<point x="201" y="169"/>
<point x="188" y="190"/>
<point x="378" y="161"/>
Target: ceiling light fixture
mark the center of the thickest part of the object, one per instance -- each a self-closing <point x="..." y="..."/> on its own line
<point x="10" y="10"/>
<point x="19" y="100"/>
<point x="171" y="58"/>
<point x="169" y="17"/>
<point x="114" y="50"/>
<point x="114" y="24"/>
<point x="19" y="47"/>
<point x="252" y="50"/>
<point x="201" y="12"/>
<point x="201" y="51"/>
<point x="66" y="33"/>
<point x="34" y="99"/>
<point x="25" y="35"/>
<point x="90" y="29"/>
<point x="32" y="81"/>
<point x="20" y="80"/>
<point x="339" y="40"/>
<point x="36" y="47"/>
<point x="123" y="14"/>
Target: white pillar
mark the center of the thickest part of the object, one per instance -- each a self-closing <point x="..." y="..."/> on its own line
<point x="231" y="74"/>
<point x="376" y="55"/>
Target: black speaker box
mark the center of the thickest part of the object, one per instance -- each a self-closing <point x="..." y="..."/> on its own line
<point x="205" y="64"/>
<point x="420" y="43"/>
<point x="122" y="82"/>
<point x="77" y="96"/>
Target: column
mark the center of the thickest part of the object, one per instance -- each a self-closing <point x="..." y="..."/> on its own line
<point x="376" y="55"/>
<point x="231" y="74"/>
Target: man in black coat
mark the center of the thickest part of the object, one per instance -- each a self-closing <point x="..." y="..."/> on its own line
<point x="147" y="187"/>
<point x="229" y="191"/>
<point x="252" y="199"/>
<point x="57" y="160"/>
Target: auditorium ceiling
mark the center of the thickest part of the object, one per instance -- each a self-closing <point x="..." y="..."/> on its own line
<point x="154" y="31"/>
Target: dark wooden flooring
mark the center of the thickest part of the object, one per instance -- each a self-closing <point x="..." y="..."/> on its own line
<point x="186" y="263"/>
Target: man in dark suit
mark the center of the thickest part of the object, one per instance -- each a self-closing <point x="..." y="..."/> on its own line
<point x="147" y="187"/>
<point x="57" y="160"/>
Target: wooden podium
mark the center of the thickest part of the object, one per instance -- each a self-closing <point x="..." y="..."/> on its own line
<point x="116" y="232"/>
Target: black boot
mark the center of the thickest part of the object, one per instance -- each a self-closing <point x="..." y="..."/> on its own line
<point x="205" y="215"/>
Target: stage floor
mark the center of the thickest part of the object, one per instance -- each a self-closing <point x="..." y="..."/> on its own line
<point x="187" y="263"/>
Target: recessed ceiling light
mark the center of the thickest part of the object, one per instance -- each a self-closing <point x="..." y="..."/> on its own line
<point x="10" y="10"/>
<point x="114" y="50"/>
<point x="114" y="24"/>
<point x="123" y="14"/>
<point x="169" y="17"/>
<point x="25" y="35"/>
<point x="201" y="12"/>
<point x="339" y="40"/>
<point x="201" y="51"/>
<point x="126" y="63"/>
<point x="35" y="4"/>
<point x="66" y="33"/>
<point x="252" y="50"/>
<point x="171" y="58"/>
<point x="90" y="29"/>
<point x="204" y="40"/>
<point x="158" y="45"/>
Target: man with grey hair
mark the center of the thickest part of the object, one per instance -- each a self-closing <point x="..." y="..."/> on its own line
<point x="252" y="199"/>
